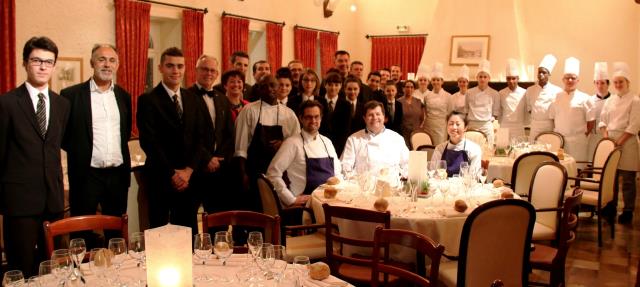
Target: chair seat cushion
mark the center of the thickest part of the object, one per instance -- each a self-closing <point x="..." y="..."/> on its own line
<point x="542" y="255"/>
<point x="589" y="186"/>
<point x="448" y="273"/>
<point x="356" y="273"/>
<point x="589" y="197"/>
<point x="543" y="232"/>
<point x="312" y="245"/>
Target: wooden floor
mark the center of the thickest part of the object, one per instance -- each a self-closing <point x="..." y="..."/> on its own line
<point x="614" y="264"/>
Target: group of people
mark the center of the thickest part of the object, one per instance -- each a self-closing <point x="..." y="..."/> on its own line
<point x="207" y="144"/>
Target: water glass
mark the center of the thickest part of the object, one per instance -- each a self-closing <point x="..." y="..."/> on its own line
<point x="64" y="264"/>
<point x="223" y="246"/>
<point x="13" y="278"/>
<point x="33" y="281"/>
<point x="255" y="241"/>
<point x="118" y="248"/>
<point x="99" y="261"/>
<point x="280" y="262"/>
<point x="202" y="248"/>
<point x="266" y="259"/>
<point x="301" y="265"/>
<point x="136" y="248"/>
<point x="442" y="169"/>
<point x="77" y="249"/>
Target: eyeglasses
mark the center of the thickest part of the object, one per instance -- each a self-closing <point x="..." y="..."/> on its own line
<point x="39" y="62"/>
<point x="207" y="70"/>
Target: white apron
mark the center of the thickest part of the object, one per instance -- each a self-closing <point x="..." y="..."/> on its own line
<point x="630" y="159"/>
<point x="576" y="146"/>
<point x="539" y="126"/>
<point x="593" y="140"/>
<point x="437" y="128"/>
<point x="486" y="128"/>
<point x="515" y="129"/>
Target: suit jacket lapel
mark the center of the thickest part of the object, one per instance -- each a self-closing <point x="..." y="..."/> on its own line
<point x="54" y="113"/>
<point x="27" y="107"/>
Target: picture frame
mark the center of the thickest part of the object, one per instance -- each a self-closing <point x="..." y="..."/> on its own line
<point x="469" y="49"/>
<point x="69" y="71"/>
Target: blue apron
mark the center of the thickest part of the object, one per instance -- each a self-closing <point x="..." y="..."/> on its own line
<point x="318" y="169"/>
<point x="454" y="158"/>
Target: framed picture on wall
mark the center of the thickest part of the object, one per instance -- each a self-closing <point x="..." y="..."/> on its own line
<point x="469" y="50"/>
<point x="68" y="72"/>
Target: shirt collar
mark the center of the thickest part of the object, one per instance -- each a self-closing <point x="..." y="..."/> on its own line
<point x="309" y="137"/>
<point x="331" y="100"/>
<point x="33" y="92"/>
<point x="93" y="87"/>
<point x="201" y="87"/>
<point x="170" y="92"/>
<point x="372" y="134"/>
<point x="603" y="97"/>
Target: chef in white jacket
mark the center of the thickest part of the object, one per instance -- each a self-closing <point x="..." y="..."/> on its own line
<point x="540" y="96"/>
<point x="483" y="103"/>
<point x="436" y="104"/>
<point x="601" y="82"/>
<point x="572" y="112"/>
<point x="457" y="102"/>
<point x="513" y="107"/>
<point x="620" y="121"/>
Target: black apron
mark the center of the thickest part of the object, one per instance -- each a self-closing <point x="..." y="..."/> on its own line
<point x="318" y="169"/>
<point x="454" y="158"/>
<point x="260" y="152"/>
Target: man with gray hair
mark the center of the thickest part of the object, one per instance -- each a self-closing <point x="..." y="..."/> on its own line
<point x="96" y="138"/>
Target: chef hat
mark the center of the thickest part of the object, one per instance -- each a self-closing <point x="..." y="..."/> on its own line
<point x="512" y="68"/>
<point x="621" y="69"/>
<point x="464" y="72"/>
<point x="437" y="71"/>
<point x="548" y="62"/>
<point x="484" y="66"/>
<point x="600" y="71"/>
<point x="423" y="71"/>
<point x="572" y="66"/>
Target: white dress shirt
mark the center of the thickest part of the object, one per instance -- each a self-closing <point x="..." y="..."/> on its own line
<point x="271" y="115"/>
<point x="513" y="106"/>
<point x="307" y="98"/>
<point x="481" y="105"/>
<point x="437" y="104"/>
<point x="211" y="107"/>
<point x="539" y="99"/>
<point x="365" y="151"/>
<point x="172" y="93"/>
<point x="105" y="120"/>
<point x="621" y="113"/>
<point x="331" y="102"/>
<point x="473" y="151"/>
<point x="457" y="103"/>
<point x="571" y="112"/>
<point x="291" y="158"/>
<point x="33" y="94"/>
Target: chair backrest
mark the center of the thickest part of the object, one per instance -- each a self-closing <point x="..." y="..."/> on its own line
<point x="546" y="192"/>
<point x="423" y="245"/>
<point x="476" y="136"/>
<point x="608" y="179"/>
<point x="268" y="197"/>
<point x="555" y="139"/>
<point x="601" y="153"/>
<point x="568" y="226"/>
<point x="333" y="235"/>
<point x="495" y="243"/>
<point x="428" y="148"/>
<point x="523" y="168"/>
<point x="135" y="149"/>
<point x="84" y="223"/>
<point x="419" y="138"/>
<point x="270" y="224"/>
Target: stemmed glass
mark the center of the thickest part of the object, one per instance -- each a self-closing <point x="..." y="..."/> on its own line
<point x="301" y="265"/>
<point x="442" y="169"/>
<point x="99" y="261"/>
<point x="482" y="175"/>
<point x="202" y="247"/>
<point x="266" y="259"/>
<point x="13" y="278"/>
<point x="63" y="266"/>
<point x="431" y="168"/>
<point x="254" y="241"/>
<point x="444" y="189"/>
<point x="118" y="248"/>
<point x="77" y="249"/>
<point x="33" y="281"/>
<point x="136" y="248"/>
<point x="223" y="246"/>
<point x="280" y="262"/>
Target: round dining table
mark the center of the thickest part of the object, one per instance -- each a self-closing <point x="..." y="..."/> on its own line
<point x="501" y="166"/>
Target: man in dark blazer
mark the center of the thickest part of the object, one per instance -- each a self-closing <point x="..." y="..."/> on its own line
<point x="210" y="180"/>
<point x="168" y="122"/>
<point x="32" y="124"/>
<point x="348" y="115"/>
<point x="96" y="139"/>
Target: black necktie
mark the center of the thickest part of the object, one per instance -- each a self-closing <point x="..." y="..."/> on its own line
<point x="178" y="107"/>
<point x="41" y="115"/>
<point x="330" y="106"/>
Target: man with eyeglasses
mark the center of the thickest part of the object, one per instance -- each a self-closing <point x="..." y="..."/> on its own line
<point x="32" y="124"/>
<point x="572" y="112"/>
<point x="97" y="137"/>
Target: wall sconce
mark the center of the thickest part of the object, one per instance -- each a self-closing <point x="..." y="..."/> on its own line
<point x="169" y="256"/>
<point x="402" y="28"/>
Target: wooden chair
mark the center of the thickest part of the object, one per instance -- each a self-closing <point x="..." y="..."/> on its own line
<point x="546" y="192"/>
<point x="270" y="224"/>
<point x="354" y="269"/>
<point x="476" y="136"/>
<point x="607" y="189"/>
<point x="556" y="140"/>
<point x="420" y="138"/>
<point x="84" y="223"/>
<point x="523" y="168"/>
<point x="428" y="148"/>
<point x="495" y="243"/>
<point x="600" y="155"/>
<point x="423" y="245"/>
<point x="552" y="259"/>
<point x="303" y="240"/>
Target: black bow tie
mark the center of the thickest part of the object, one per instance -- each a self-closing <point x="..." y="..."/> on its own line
<point x="208" y="93"/>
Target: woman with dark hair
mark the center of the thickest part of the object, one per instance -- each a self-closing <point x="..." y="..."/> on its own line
<point x="458" y="149"/>
<point x="307" y="89"/>
<point x="412" y="111"/>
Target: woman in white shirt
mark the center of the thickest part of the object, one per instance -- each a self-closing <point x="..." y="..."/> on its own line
<point x="423" y="87"/>
<point x="457" y="102"/>
<point x="437" y="105"/>
<point x="458" y="149"/>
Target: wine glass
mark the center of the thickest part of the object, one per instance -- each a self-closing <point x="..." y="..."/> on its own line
<point x="301" y="265"/>
<point x="118" y="248"/>
<point x="280" y="262"/>
<point x="33" y="281"/>
<point x="431" y="168"/>
<point x="482" y="175"/>
<point x="136" y="248"/>
<point x="464" y="168"/>
<point x="266" y="258"/>
<point x="77" y="249"/>
<point x="254" y="241"/>
<point x="64" y="264"/>
<point x="442" y="169"/>
<point x="223" y="246"/>
<point x="444" y="189"/>
<point x="99" y="261"/>
<point x="202" y="248"/>
<point x="13" y="278"/>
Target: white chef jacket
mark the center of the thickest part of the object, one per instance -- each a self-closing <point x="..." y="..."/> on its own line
<point x="571" y="112"/>
<point x="513" y="106"/>
<point x="482" y="105"/>
<point x="365" y="151"/>
<point x="420" y="95"/>
<point x="437" y="104"/>
<point x="598" y="104"/>
<point x="539" y="99"/>
<point x="457" y="103"/>
<point x="621" y="114"/>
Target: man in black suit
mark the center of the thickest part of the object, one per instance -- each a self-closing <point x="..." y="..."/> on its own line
<point x="32" y="123"/>
<point x="396" y="77"/>
<point x="170" y="134"/>
<point x="348" y="116"/>
<point x="209" y="181"/>
<point x="96" y="139"/>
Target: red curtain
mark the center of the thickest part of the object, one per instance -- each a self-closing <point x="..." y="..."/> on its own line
<point x="7" y="45"/>
<point x="235" y="37"/>
<point x="305" y="46"/>
<point x="192" y="35"/>
<point x="132" y="41"/>
<point x="274" y="45"/>
<point x="403" y="51"/>
<point x="328" y="47"/>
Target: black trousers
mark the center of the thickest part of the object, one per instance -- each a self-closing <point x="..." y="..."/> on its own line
<point x="24" y="243"/>
<point x="167" y="205"/>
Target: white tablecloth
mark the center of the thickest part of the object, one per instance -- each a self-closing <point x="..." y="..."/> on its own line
<point x="500" y="167"/>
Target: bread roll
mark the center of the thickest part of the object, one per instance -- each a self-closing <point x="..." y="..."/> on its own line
<point x="330" y="192"/>
<point x="381" y="204"/>
<point x="498" y="183"/>
<point x="506" y="194"/>
<point x="333" y="180"/>
<point x="319" y="271"/>
<point x="460" y="205"/>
